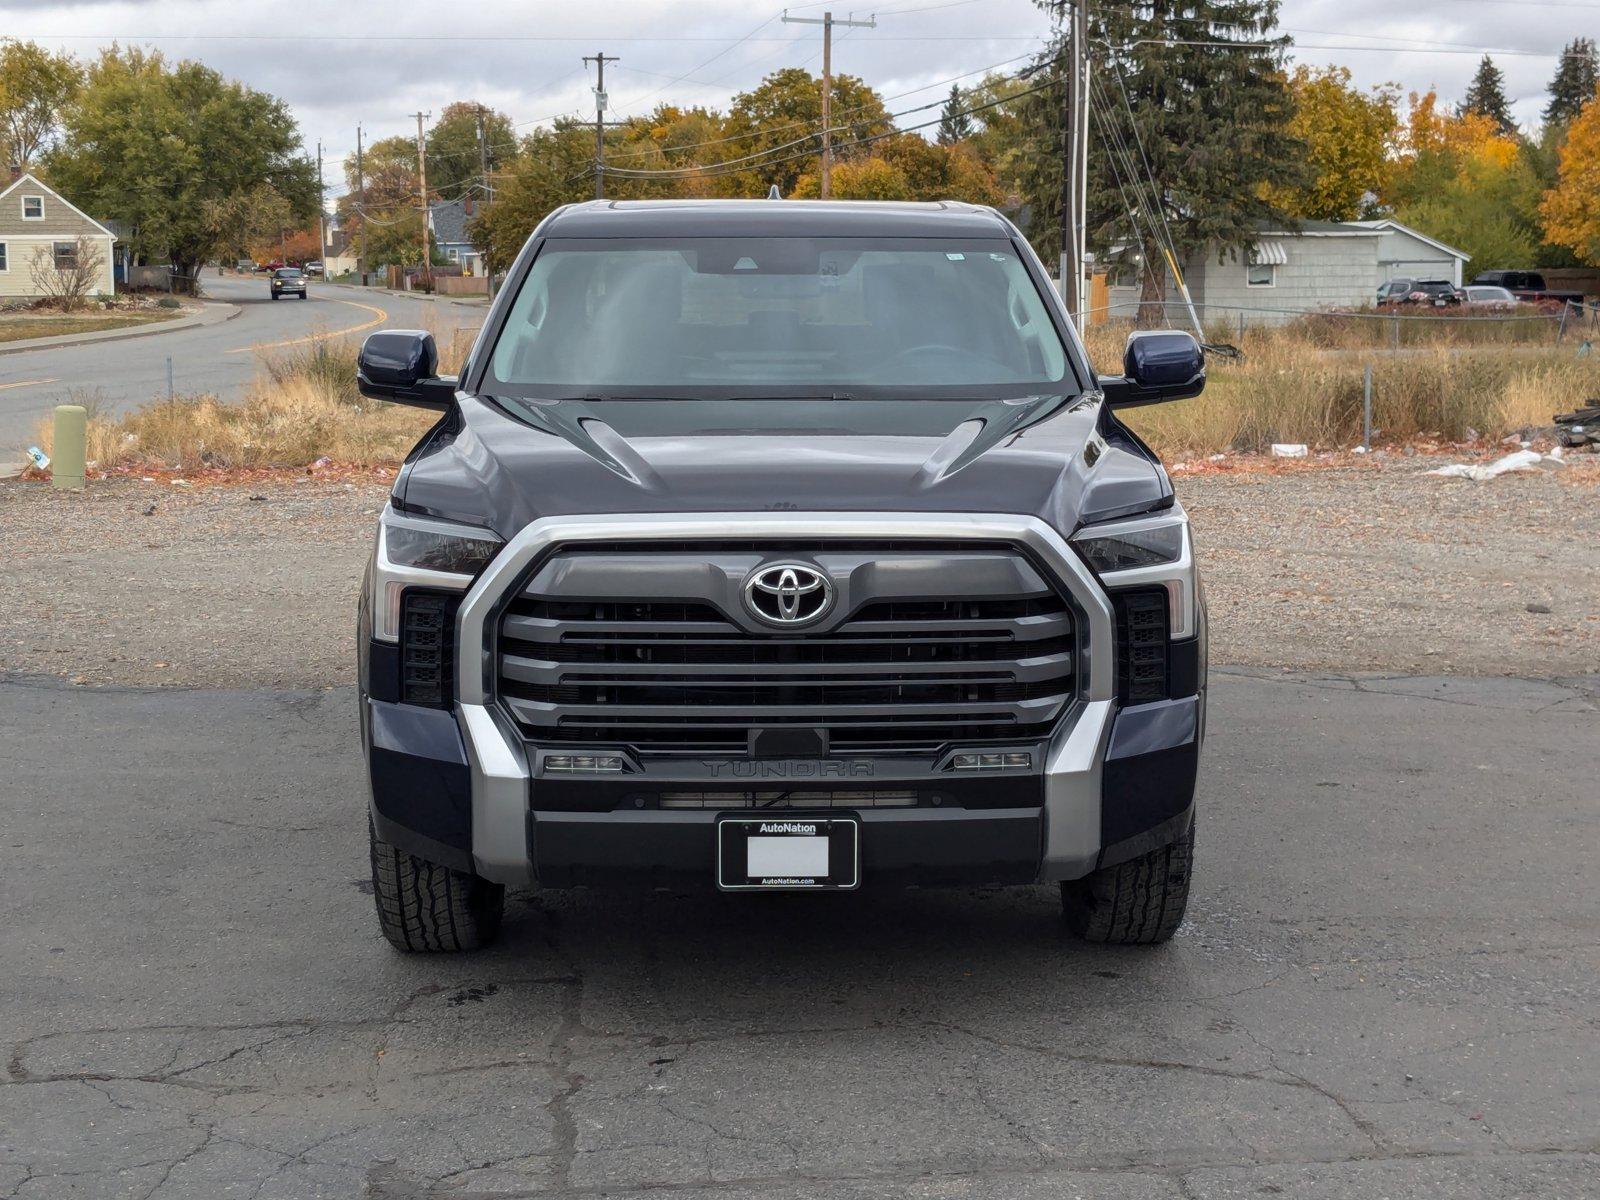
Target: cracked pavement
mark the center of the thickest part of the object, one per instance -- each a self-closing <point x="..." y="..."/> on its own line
<point x="1388" y="984"/>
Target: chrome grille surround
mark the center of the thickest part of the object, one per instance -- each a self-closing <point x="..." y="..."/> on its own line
<point x="497" y="753"/>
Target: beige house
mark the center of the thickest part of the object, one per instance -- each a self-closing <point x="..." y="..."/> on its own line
<point x="39" y="226"/>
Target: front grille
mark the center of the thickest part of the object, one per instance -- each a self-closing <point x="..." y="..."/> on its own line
<point x="907" y="673"/>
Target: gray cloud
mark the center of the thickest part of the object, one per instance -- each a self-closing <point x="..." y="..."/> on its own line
<point x="374" y="63"/>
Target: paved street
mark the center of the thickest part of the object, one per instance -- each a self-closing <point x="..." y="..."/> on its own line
<point x="1388" y="986"/>
<point x="125" y="373"/>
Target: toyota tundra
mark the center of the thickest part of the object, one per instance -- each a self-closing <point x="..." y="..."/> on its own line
<point x="780" y="546"/>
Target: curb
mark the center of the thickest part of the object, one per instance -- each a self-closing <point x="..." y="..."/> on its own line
<point x="117" y="335"/>
<point x="425" y="297"/>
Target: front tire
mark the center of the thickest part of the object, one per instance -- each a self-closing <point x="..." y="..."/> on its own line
<point x="426" y="908"/>
<point x="1140" y="902"/>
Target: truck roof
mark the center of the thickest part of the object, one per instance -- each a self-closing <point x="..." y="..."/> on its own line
<point x="774" y="218"/>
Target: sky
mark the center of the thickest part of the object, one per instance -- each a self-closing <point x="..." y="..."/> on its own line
<point x="376" y="62"/>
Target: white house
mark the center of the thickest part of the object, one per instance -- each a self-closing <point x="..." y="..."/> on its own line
<point x="1321" y="265"/>
<point x="38" y="225"/>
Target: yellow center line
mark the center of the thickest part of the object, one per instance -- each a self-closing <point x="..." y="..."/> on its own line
<point x="379" y="319"/>
<point x="25" y="383"/>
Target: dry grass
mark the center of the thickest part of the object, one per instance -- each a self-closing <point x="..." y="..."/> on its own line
<point x="1286" y="388"/>
<point x="303" y="407"/>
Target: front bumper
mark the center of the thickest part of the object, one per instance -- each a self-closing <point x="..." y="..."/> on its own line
<point x="455" y="788"/>
<point x="463" y="788"/>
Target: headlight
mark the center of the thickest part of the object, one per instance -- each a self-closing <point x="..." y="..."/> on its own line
<point x="423" y="552"/>
<point x="432" y="546"/>
<point x="1146" y="552"/>
<point x="1132" y="547"/>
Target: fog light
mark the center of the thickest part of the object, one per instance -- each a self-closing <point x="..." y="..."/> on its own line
<point x="583" y="762"/>
<point x="991" y="761"/>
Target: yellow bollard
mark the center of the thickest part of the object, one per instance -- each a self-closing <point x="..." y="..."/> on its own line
<point x="71" y="446"/>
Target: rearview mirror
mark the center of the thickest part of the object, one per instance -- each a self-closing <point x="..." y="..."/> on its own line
<point x="1158" y="365"/>
<point x="402" y="365"/>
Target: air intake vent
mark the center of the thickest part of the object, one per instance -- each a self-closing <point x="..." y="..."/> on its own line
<point x="1141" y="646"/>
<point x="427" y="658"/>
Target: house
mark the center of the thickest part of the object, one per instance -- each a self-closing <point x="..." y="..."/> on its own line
<point x="40" y="230"/>
<point x="1321" y="265"/>
<point x="447" y="221"/>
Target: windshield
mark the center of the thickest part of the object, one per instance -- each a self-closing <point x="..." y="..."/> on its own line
<point x="292" y="273"/>
<point x="752" y="318"/>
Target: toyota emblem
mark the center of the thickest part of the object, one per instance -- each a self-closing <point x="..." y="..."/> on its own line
<point x="788" y="594"/>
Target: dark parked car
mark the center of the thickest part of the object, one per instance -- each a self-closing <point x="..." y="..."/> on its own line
<point x="774" y="545"/>
<point x="1439" y="293"/>
<point x="1529" y="287"/>
<point x="288" y="281"/>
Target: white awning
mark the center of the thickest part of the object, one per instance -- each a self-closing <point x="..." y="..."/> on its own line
<point x="1269" y="254"/>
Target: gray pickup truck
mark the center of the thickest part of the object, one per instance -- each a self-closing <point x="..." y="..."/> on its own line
<point x="769" y="545"/>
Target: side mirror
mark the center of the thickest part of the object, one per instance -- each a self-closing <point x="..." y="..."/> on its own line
<point x="1158" y="365"/>
<point x="402" y="365"/>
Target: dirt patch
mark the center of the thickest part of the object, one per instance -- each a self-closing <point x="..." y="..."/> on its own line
<point x="1377" y="567"/>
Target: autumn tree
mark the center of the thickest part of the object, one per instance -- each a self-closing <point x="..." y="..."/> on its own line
<point x="1486" y="95"/>
<point x="155" y="145"/>
<point x="1460" y="179"/>
<point x="780" y="121"/>
<point x="1571" y="209"/>
<point x="248" y="219"/>
<point x="1349" y="135"/>
<point x="547" y="173"/>
<point x="383" y="215"/>
<point x="36" y="87"/>
<point x="454" y="157"/>
<point x="1575" y="83"/>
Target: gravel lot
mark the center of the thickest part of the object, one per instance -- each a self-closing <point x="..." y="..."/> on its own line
<point x="1368" y="569"/>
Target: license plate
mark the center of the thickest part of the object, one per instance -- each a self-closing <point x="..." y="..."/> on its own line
<point x="788" y="853"/>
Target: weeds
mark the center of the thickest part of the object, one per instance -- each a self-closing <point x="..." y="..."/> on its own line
<point x="1288" y="387"/>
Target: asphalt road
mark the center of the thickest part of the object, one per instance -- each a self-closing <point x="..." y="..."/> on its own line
<point x="221" y="359"/>
<point x="1388" y="985"/>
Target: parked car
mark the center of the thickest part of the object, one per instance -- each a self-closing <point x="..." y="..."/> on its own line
<point x="1439" y="293"/>
<point x="313" y="268"/>
<point x="846" y="572"/>
<point x="1483" y="295"/>
<point x="288" y="281"/>
<point x="1528" y="286"/>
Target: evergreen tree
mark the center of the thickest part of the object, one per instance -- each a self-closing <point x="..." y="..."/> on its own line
<point x="1576" y="81"/>
<point x="1196" y="145"/>
<point x="1487" y="96"/>
<point x="955" y="124"/>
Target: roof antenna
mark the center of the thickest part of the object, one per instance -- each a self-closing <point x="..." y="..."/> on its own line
<point x="772" y="193"/>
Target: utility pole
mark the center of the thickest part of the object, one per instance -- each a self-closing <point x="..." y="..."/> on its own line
<point x="488" y="190"/>
<point x="422" y="188"/>
<point x="322" y="210"/>
<point x="1073" y="197"/>
<point x="827" y="22"/>
<point x="361" y="211"/>
<point x="600" y="58"/>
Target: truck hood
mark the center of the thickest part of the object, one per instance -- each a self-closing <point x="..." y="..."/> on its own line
<point x="484" y="466"/>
